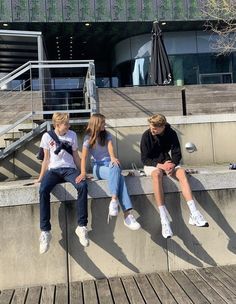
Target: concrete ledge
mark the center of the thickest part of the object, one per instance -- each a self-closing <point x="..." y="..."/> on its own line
<point x="208" y="178"/>
<point x="114" y="249"/>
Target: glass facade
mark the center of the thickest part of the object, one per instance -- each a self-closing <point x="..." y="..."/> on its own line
<point x="121" y="61"/>
<point x="191" y="57"/>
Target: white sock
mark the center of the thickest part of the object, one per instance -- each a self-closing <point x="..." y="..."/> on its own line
<point x="192" y="206"/>
<point x="163" y="214"/>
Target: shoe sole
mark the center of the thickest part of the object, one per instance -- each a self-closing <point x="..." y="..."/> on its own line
<point x="167" y="237"/>
<point x="114" y="214"/>
<point x="193" y="224"/>
<point x="131" y="227"/>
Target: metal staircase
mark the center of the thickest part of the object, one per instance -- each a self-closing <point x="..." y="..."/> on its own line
<point x="31" y="94"/>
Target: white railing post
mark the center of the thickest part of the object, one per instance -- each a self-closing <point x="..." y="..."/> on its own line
<point x="91" y="88"/>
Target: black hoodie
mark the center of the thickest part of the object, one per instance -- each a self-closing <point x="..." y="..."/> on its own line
<point x="155" y="148"/>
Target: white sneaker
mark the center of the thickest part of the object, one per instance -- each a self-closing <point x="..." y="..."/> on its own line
<point x="166" y="229"/>
<point x="131" y="222"/>
<point x="198" y="220"/>
<point x="44" y="241"/>
<point x="82" y="233"/>
<point x="113" y="208"/>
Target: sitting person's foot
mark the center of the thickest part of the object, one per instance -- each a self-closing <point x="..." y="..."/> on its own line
<point x="82" y="233"/>
<point x="197" y="219"/>
<point x="166" y="229"/>
<point x="113" y="208"/>
<point x="44" y="241"/>
<point x="131" y="222"/>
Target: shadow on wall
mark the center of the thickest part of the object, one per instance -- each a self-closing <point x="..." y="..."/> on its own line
<point x="102" y="234"/>
<point x="150" y="222"/>
<point x="208" y="199"/>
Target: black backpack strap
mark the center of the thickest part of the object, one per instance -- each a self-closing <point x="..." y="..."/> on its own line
<point x="60" y="144"/>
<point x="54" y="136"/>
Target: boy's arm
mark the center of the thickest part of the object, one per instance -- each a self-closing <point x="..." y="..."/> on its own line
<point x="44" y="165"/>
<point x="76" y="158"/>
<point x="176" y="154"/>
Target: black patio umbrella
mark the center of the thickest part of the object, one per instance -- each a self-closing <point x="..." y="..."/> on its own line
<point x="160" y="71"/>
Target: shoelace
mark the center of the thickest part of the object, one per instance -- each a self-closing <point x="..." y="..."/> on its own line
<point x="43" y="238"/>
<point x="131" y="218"/>
<point x="84" y="231"/>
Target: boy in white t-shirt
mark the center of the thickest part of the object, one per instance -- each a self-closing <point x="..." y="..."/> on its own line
<point x="61" y="165"/>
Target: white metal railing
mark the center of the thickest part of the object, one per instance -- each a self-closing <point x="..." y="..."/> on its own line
<point x="19" y="98"/>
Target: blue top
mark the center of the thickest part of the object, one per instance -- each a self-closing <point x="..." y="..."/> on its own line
<point x="98" y="153"/>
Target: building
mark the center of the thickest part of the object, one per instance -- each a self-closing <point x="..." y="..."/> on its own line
<point x="117" y="35"/>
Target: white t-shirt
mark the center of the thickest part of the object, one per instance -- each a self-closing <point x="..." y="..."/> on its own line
<point x="63" y="159"/>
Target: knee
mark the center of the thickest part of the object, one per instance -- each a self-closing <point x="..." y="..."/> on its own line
<point x="116" y="169"/>
<point x="44" y="188"/>
<point x="82" y="186"/>
<point x="182" y="174"/>
<point x="157" y="174"/>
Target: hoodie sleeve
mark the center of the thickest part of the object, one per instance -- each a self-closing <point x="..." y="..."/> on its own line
<point x="176" y="154"/>
<point x="145" y="150"/>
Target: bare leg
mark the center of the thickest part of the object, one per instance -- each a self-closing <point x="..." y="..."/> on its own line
<point x="180" y="174"/>
<point x="157" y="176"/>
<point x="196" y="218"/>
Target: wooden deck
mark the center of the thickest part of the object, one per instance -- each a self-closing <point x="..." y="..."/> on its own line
<point x="205" y="285"/>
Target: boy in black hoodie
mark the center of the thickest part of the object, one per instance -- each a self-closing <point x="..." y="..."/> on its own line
<point x="156" y="143"/>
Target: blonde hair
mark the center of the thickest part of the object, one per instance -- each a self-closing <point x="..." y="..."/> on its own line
<point x="157" y="120"/>
<point x="60" y="118"/>
<point x="94" y="129"/>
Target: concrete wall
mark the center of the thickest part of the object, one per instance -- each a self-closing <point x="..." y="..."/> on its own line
<point x="114" y="249"/>
<point x="211" y="134"/>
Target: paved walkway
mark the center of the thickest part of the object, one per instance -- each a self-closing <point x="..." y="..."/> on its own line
<point x="203" y="285"/>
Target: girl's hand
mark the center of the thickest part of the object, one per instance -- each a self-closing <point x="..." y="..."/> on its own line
<point x="37" y="181"/>
<point x="115" y="161"/>
<point x="80" y="178"/>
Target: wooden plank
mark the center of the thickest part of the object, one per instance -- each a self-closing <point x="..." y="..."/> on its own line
<point x="6" y="296"/>
<point x="132" y="290"/>
<point x="118" y="291"/>
<point x="48" y="293"/>
<point x="209" y="293"/>
<point x="61" y="295"/>
<point x="224" y="278"/>
<point x="33" y="296"/>
<point x="146" y="289"/>
<point x="19" y="296"/>
<point x="103" y="291"/>
<point x="76" y="294"/>
<point x="230" y="270"/>
<point x="194" y="294"/>
<point x="90" y="294"/>
<point x="177" y="292"/>
<point x="161" y="290"/>
<point x="224" y="292"/>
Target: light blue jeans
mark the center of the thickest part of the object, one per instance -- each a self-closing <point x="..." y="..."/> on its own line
<point x="116" y="182"/>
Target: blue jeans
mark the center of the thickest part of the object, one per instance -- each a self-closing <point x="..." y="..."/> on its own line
<point x="53" y="177"/>
<point x="116" y="182"/>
